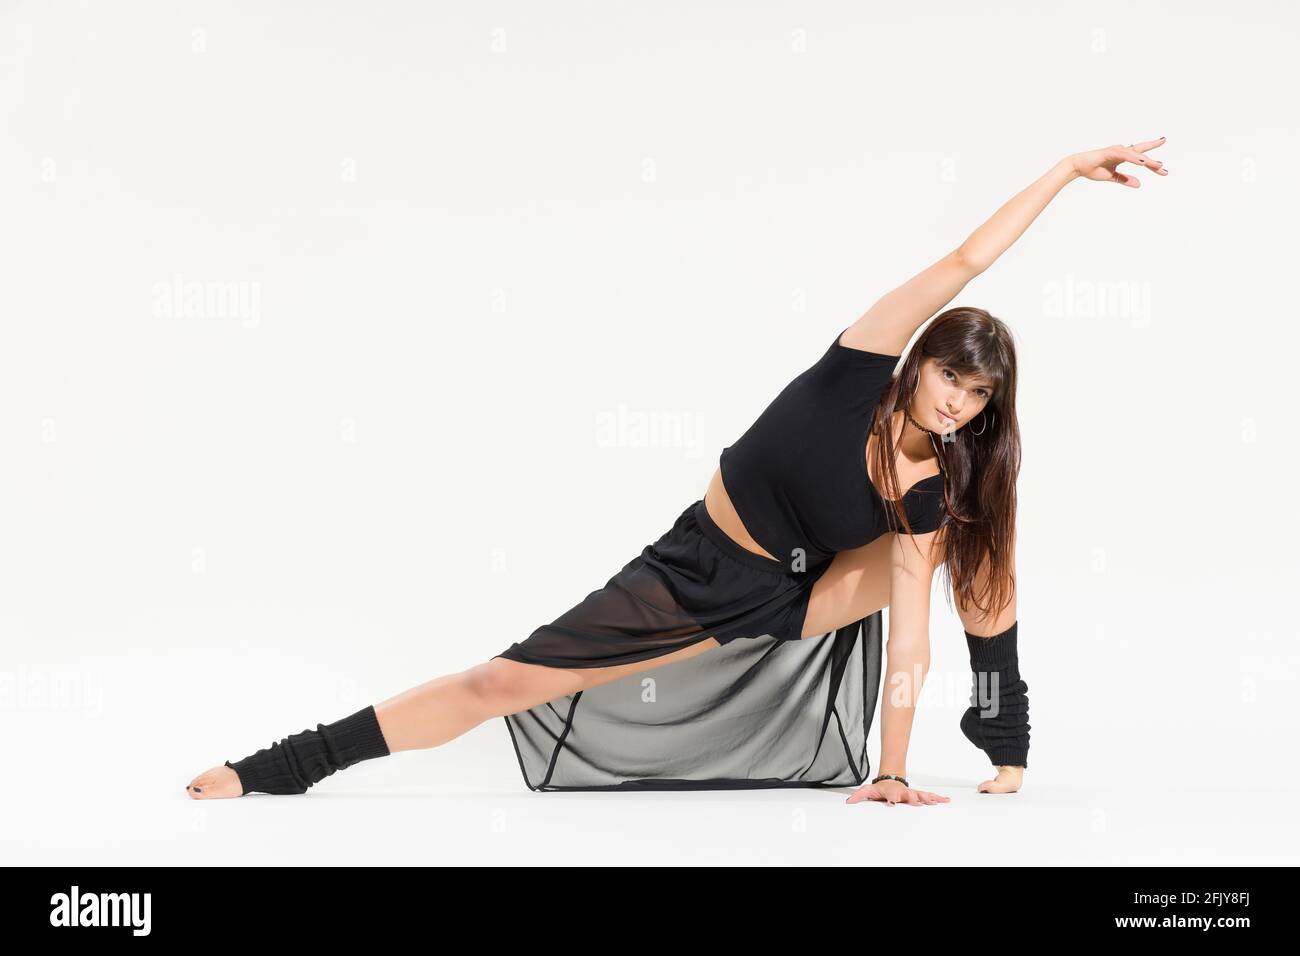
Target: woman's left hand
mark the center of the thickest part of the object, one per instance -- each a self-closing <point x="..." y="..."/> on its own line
<point x="1008" y="781"/>
<point x="1099" y="164"/>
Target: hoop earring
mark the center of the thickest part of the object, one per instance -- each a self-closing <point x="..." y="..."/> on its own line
<point x="986" y="423"/>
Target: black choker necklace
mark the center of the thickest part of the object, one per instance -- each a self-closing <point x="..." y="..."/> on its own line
<point x="918" y="424"/>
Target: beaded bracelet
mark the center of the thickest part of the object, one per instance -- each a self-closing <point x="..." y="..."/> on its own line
<point x="892" y="776"/>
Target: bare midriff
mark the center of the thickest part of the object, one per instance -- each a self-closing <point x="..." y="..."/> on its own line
<point x="718" y="504"/>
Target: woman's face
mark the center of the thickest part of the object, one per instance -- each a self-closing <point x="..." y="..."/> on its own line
<point x="945" y="400"/>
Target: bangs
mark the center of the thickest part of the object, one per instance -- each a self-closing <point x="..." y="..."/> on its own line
<point x="986" y="369"/>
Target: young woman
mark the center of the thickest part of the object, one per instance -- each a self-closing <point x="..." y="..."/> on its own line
<point x="846" y="495"/>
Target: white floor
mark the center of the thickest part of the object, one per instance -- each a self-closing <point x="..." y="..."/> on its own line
<point x="96" y="774"/>
<point x="377" y="813"/>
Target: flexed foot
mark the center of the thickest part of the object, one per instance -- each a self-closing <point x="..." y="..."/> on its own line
<point x="214" y="784"/>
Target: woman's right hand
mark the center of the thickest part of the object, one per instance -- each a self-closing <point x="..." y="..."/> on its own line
<point x="891" y="792"/>
<point x="1099" y="164"/>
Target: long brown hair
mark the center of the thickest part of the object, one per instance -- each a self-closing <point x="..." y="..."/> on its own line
<point x="979" y="484"/>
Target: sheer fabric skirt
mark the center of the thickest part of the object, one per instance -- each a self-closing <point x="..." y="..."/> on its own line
<point x="766" y="711"/>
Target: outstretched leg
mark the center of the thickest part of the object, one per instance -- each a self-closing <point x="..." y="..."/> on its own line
<point x="444" y="708"/>
<point x="425" y="716"/>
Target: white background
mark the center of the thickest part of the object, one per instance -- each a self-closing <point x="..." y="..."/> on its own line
<point x="470" y="237"/>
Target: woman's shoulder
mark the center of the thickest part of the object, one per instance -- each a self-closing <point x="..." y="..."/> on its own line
<point x="847" y="347"/>
<point x="859" y="374"/>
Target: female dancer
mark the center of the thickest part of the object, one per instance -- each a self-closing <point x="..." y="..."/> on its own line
<point x="800" y="532"/>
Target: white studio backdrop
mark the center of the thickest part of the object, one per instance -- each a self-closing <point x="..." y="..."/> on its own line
<point x="345" y="344"/>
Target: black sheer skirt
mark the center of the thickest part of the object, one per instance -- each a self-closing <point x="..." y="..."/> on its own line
<point x="770" y="710"/>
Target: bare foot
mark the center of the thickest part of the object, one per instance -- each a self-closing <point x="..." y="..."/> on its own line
<point x="214" y="784"/>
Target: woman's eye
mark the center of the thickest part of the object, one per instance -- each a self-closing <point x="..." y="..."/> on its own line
<point x="951" y="377"/>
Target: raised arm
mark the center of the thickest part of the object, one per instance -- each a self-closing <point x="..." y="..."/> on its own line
<point x="912" y="566"/>
<point x="889" y="325"/>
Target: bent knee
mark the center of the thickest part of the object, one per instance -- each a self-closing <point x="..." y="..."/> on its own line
<point x="495" y="680"/>
<point x="504" y="686"/>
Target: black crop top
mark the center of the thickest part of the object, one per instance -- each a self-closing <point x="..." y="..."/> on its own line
<point x="798" y="476"/>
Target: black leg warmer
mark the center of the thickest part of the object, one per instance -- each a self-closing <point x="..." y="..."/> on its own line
<point x="300" y="760"/>
<point x="998" y="719"/>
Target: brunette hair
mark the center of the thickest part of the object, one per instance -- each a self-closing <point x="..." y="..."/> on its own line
<point x="979" y="485"/>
